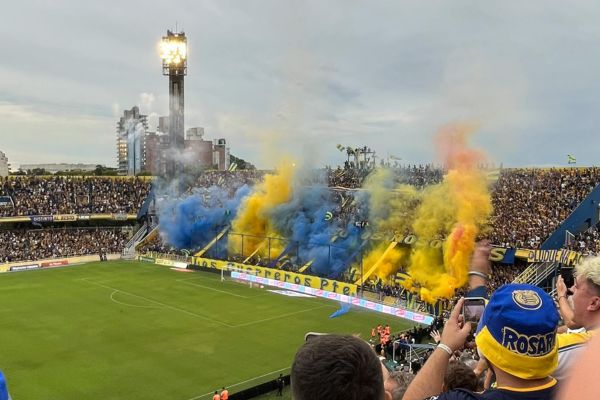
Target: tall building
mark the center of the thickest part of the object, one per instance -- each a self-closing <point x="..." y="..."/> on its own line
<point x="198" y="151"/>
<point x="4" y="165"/>
<point x="221" y="155"/>
<point x="131" y="132"/>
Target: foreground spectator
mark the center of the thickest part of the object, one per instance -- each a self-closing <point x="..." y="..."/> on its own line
<point x="3" y="389"/>
<point x="332" y="367"/>
<point x="585" y="313"/>
<point x="395" y="383"/>
<point x="517" y="337"/>
<point x="459" y="376"/>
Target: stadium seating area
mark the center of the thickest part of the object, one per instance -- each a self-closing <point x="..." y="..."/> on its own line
<point x="530" y="203"/>
<point x="71" y="195"/>
<point x="38" y="244"/>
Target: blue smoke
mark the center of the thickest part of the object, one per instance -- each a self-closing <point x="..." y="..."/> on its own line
<point x="192" y="222"/>
<point x="303" y="221"/>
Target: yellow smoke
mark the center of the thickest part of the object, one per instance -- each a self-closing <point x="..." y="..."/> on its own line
<point x="390" y="206"/>
<point x="455" y="209"/>
<point x="253" y="218"/>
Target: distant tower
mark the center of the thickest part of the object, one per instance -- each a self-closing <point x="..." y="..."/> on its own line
<point x="173" y="51"/>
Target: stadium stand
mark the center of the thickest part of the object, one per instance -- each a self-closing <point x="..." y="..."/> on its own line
<point x="49" y="195"/>
<point x="38" y="244"/>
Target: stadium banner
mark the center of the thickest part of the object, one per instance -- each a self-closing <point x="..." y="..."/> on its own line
<point x="314" y="282"/>
<point x="120" y="217"/>
<point x="65" y="217"/>
<point x="24" y="267"/>
<point x="503" y="255"/>
<point x="41" y="218"/>
<point x="567" y="257"/>
<point x="67" y="261"/>
<point x="166" y="262"/>
<point x="147" y="259"/>
<point x="14" y="219"/>
<point x="84" y="217"/>
<point x="5" y="200"/>
<point x="56" y="263"/>
<point x="342" y="298"/>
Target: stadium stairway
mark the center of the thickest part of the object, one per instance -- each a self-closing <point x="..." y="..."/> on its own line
<point x="129" y="252"/>
<point x="538" y="274"/>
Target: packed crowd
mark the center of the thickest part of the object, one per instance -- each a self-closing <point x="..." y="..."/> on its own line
<point x="414" y="175"/>
<point x="231" y="180"/>
<point x="516" y="349"/>
<point x="39" y="244"/>
<point x="72" y="195"/>
<point x="587" y="242"/>
<point x="529" y="204"/>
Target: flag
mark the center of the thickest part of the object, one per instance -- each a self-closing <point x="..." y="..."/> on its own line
<point x="401" y="277"/>
<point x="328" y="215"/>
<point x="571" y="159"/>
<point x="233" y="167"/>
<point x="220" y="181"/>
<point x="340" y="147"/>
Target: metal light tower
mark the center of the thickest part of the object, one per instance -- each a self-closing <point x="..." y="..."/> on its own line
<point x="173" y="51"/>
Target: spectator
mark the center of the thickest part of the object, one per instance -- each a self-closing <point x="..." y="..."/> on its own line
<point x="585" y="313"/>
<point x="38" y="244"/>
<point x="395" y="383"/>
<point x="459" y="376"/>
<point x="517" y="337"/>
<point x="331" y="367"/>
<point x="3" y="389"/>
<point x="51" y="195"/>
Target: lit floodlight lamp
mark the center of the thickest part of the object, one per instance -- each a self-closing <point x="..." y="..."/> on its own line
<point x="173" y="52"/>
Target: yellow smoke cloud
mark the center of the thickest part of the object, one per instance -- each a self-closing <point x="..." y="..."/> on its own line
<point x="456" y="209"/>
<point x="253" y="217"/>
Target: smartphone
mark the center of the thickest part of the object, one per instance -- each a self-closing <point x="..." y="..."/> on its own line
<point x="473" y="309"/>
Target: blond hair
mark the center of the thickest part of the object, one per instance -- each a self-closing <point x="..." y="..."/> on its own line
<point x="589" y="269"/>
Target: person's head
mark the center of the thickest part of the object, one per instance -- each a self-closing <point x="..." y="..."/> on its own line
<point x="517" y="332"/>
<point x="586" y="292"/>
<point x="395" y="383"/>
<point x="459" y="376"/>
<point x="336" y="367"/>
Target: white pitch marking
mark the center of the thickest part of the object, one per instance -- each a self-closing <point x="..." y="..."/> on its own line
<point x="241" y="383"/>
<point x="280" y="316"/>
<point x="211" y="288"/>
<point x="126" y="304"/>
<point x="162" y="304"/>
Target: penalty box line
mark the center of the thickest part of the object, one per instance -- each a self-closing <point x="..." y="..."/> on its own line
<point x="161" y="304"/>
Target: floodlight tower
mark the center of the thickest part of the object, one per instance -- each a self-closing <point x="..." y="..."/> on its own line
<point x="173" y="51"/>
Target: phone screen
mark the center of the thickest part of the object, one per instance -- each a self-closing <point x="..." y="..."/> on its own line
<point x="473" y="309"/>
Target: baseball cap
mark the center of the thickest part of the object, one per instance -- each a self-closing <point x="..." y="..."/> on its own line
<point x="517" y="331"/>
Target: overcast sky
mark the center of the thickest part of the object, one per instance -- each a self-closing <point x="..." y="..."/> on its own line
<point x="300" y="76"/>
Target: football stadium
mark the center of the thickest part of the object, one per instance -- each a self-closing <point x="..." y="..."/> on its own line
<point x="333" y="270"/>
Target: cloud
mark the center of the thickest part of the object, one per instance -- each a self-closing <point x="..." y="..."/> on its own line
<point x="383" y="74"/>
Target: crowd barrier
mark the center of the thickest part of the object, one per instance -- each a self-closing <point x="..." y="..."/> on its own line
<point x="53" y="262"/>
<point x="342" y="292"/>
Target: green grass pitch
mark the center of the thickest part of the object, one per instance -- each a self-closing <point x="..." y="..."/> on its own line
<point x="130" y="330"/>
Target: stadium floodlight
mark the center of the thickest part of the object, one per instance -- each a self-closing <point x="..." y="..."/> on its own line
<point x="173" y="52"/>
